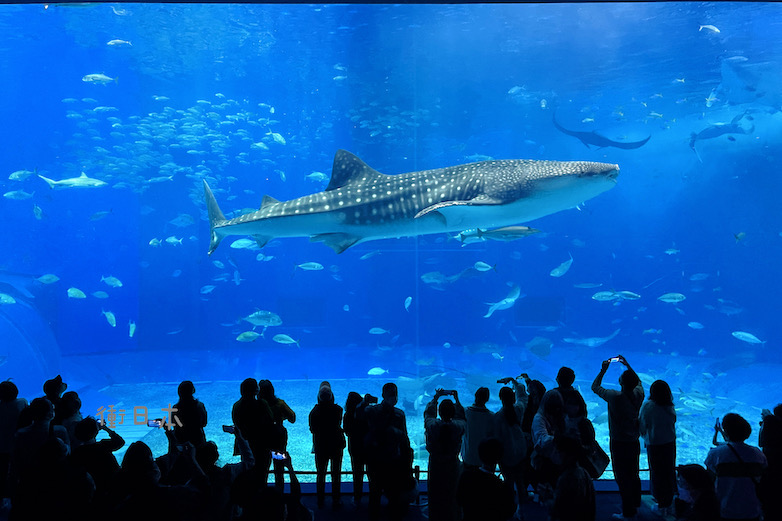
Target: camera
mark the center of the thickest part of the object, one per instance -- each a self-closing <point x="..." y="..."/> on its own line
<point x="370" y="399"/>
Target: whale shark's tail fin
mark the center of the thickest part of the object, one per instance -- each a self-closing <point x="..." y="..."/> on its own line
<point x="215" y="217"/>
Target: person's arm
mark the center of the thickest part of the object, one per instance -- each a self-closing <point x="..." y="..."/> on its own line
<point x="287" y="412"/>
<point x="459" y="414"/>
<point x="717" y="430"/>
<point x="521" y="393"/>
<point x="430" y="413"/>
<point x="115" y="441"/>
<point x="245" y="452"/>
<point x="597" y="385"/>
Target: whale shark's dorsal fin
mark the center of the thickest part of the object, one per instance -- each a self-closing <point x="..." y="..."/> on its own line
<point x="268" y="200"/>
<point x="349" y="168"/>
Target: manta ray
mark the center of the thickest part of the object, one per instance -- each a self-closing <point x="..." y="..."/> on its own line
<point x="595" y="139"/>
<point x="361" y="204"/>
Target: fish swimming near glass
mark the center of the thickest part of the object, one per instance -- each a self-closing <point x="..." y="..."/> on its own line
<point x="361" y="204"/>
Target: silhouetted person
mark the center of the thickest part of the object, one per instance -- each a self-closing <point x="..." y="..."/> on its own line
<point x="738" y="468"/>
<point x="220" y="479"/>
<point x="254" y="420"/>
<point x="575" y="407"/>
<point x="535" y="390"/>
<point x="479" y="426"/>
<point x="482" y="495"/>
<point x="770" y="440"/>
<point x="443" y="442"/>
<point x="697" y="500"/>
<point x="549" y="424"/>
<point x="354" y="423"/>
<point x="11" y="406"/>
<point x="278" y="434"/>
<point x="97" y="457"/>
<point x="139" y="478"/>
<point x="623" y="431"/>
<point x="657" y="422"/>
<point x="328" y="442"/>
<point x="507" y="428"/>
<point x="53" y="488"/>
<point x="191" y="413"/>
<point x="70" y="406"/>
<point x="389" y="456"/>
<point x="28" y="441"/>
<point x="574" y="493"/>
<point x="52" y="390"/>
<point x="259" y="502"/>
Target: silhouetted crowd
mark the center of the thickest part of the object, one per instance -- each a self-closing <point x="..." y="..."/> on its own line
<point x="543" y="443"/>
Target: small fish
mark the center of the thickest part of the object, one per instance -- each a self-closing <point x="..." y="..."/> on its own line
<point x="37" y="212"/>
<point x="378" y="331"/>
<point x="248" y="336"/>
<point x="739" y="236"/>
<point x="369" y="255"/>
<point x="317" y="177"/>
<point x="21" y="175"/>
<point x="131" y="328"/>
<point x="498" y="356"/>
<point x="377" y="371"/>
<point x="588" y="285"/>
<point x="110" y="318"/>
<point x="100" y="294"/>
<point x="408" y="301"/>
<point x="99" y="79"/>
<point x="48" y="279"/>
<point x="699" y="276"/>
<point x="244" y="244"/>
<point x="709" y="28"/>
<point x="695" y="325"/>
<point x="277" y="138"/>
<point x="97" y="216"/>
<point x="6" y="299"/>
<point x="285" y="339"/>
<point x="155" y="242"/>
<point x="173" y="241"/>
<point x="482" y="266"/>
<point x="205" y="290"/>
<point x="672" y="251"/>
<point x="310" y="266"/>
<point x="119" y="43"/>
<point x="346" y="307"/>
<point x="114" y="282"/>
<point x="218" y="264"/>
<point x="671" y="298"/>
<point x="605" y="296"/>
<point x="562" y="268"/>
<point x="18" y="195"/>
<point x="76" y="293"/>
<point x="176" y="273"/>
<point x="747" y="337"/>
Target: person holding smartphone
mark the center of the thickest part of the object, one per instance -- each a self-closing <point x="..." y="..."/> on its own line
<point x="444" y="442"/>
<point x="624" y="432"/>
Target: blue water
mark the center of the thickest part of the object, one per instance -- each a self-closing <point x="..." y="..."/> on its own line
<point x="406" y="88"/>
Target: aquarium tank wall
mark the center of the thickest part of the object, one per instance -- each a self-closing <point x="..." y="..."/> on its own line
<point x="116" y="116"/>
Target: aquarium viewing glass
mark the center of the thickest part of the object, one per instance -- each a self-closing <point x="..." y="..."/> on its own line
<point x="114" y="115"/>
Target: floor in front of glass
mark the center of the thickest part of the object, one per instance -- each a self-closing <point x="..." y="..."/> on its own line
<point x="704" y="390"/>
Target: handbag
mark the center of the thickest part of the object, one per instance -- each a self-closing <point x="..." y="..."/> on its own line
<point x="595" y="459"/>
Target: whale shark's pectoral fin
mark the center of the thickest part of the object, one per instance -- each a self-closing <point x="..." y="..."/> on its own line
<point x="481" y="200"/>
<point x="338" y="242"/>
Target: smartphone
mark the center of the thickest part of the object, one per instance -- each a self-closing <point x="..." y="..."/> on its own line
<point x="230" y="429"/>
<point x="154" y="423"/>
<point x="100" y="423"/>
<point x="613" y="359"/>
<point x="278" y="455"/>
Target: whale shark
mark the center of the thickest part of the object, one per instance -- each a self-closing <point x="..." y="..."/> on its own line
<point x="361" y="204"/>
